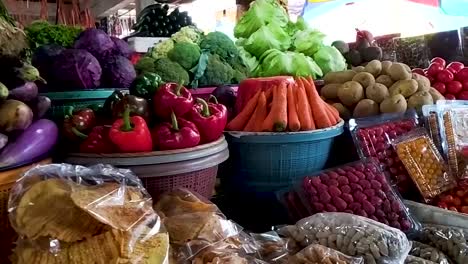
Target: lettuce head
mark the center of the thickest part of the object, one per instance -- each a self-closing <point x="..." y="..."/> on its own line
<point x="275" y="63"/>
<point x="270" y="36"/>
<point x="308" y="41"/>
<point x="330" y="59"/>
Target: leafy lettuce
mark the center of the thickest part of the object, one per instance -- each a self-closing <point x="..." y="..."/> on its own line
<point x="330" y="59"/>
<point x="275" y="63"/>
<point x="308" y="41"/>
<point x="271" y="36"/>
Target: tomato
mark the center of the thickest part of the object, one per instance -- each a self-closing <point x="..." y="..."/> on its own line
<point x="434" y="69"/>
<point x="431" y="79"/>
<point x="442" y="205"/>
<point x="450" y="97"/>
<point x="464" y="152"/>
<point x="462" y="75"/>
<point x="456" y="201"/>
<point x="444" y="76"/>
<point x="447" y="198"/>
<point x="451" y="208"/>
<point x="464" y="209"/>
<point x="438" y="60"/>
<point x="440" y="87"/>
<point x="454" y="87"/>
<point x="418" y="71"/>
<point x="455" y="66"/>
<point x="460" y="193"/>
<point x="463" y="95"/>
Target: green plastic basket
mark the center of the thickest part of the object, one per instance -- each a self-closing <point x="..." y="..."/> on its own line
<point x="76" y="99"/>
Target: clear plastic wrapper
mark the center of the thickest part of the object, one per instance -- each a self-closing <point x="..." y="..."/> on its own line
<point x="224" y="253"/>
<point x="431" y="122"/>
<point x="427" y="252"/>
<point x="373" y="138"/>
<point x="449" y="240"/>
<point x="359" y="188"/>
<point x="318" y="254"/>
<point x="291" y="200"/>
<point x="73" y="214"/>
<point x="271" y="247"/>
<point x="424" y="163"/>
<point x="352" y="235"/>
<point x="416" y="260"/>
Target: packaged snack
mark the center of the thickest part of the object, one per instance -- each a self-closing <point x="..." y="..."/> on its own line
<point x="318" y="254"/>
<point x="74" y="214"/>
<point x="431" y="122"/>
<point x="426" y="252"/>
<point x="373" y="137"/>
<point x="449" y="240"/>
<point x="352" y="235"/>
<point x="424" y="163"/>
<point x="271" y="247"/>
<point x="415" y="260"/>
<point x="223" y="253"/>
<point x="359" y="188"/>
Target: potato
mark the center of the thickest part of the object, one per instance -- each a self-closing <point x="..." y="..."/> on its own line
<point x="359" y="69"/>
<point x="366" y="107"/>
<point x="377" y="92"/>
<point x="398" y="72"/>
<point x="350" y="93"/>
<point x="385" y="66"/>
<point x="364" y="78"/>
<point x="436" y="95"/>
<point x="419" y="99"/>
<point x="385" y="80"/>
<point x="404" y="87"/>
<point x="394" y="104"/>
<point x="15" y="115"/>
<point x="407" y="68"/>
<point x="330" y="91"/>
<point x="344" y="112"/>
<point x="374" y="67"/>
<point x="339" y="77"/>
<point x="423" y="82"/>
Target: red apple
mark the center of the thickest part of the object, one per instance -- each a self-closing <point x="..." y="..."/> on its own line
<point x="444" y="76"/>
<point x="455" y="66"/>
<point x="434" y="69"/>
<point x="440" y="87"/>
<point x="462" y="96"/>
<point x="438" y="60"/>
<point x="450" y="97"/>
<point x="465" y="85"/>
<point x="419" y="71"/>
<point x="462" y="75"/>
<point x="454" y="87"/>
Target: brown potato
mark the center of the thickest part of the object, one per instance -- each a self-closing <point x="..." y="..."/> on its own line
<point x="399" y="72"/>
<point x="404" y="87"/>
<point x="419" y="99"/>
<point x="359" y="69"/>
<point x="423" y="82"/>
<point x="339" y="77"/>
<point x="366" y="107"/>
<point x="394" y="104"/>
<point x="385" y="80"/>
<point x="374" y="67"/>
<point x="344" y="112"/>
<point x="385" y="67"/>
<point x="365" y="79"/>
<point x="377" y="92"/>
<point x="330" y="91"/>
<point x="350" y="93"/>
<point x="436" y="95"/>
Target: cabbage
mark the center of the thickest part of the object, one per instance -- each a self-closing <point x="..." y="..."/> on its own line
<point x="260" y="13"/>
<point x="96" y="41"/>
<point x="117" y="72"/>
<point x="44" y="57"/>
<point x="275" y="63"/>
<point x="249" y="61"/>
<point x="121" y="48"/>
<point x="76" y="69"/>
<point x="308" y="41"/>
<point x="300" y="25"/>
<point x="330" y="59"/>
<point x="271" y="36"/>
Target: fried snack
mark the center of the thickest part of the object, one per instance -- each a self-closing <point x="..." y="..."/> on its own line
<point x="119" y="208"/>
<point x="182" y="202"/>
<point x="317" y="254"/>
<point x="219" y="253"/>
<point x="46" y="210"/>
<point x="142" y="247"/>
<point x="187" y="227"/>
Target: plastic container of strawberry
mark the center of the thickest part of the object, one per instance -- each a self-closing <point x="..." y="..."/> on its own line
<point x="373" y="139"/>
<point x="359" y="188"/>
<point x="292" y="202"/>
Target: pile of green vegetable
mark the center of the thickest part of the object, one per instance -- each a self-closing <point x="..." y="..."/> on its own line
<point x="42" y="33"/>
<point x="271" y="44"/>
<point x="194" y="59"/>
<point x="12" y="39"/>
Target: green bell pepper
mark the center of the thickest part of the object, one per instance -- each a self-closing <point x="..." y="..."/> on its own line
<point x="146" y="85"/>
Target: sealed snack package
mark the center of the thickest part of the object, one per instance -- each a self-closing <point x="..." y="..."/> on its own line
<point x="73" y="214"/>
<point x="416" y="260"/>
<point x="449" y="240"/>
<point x="224" y="253"/>
<point x="271" y="247"/>
<point x="427" y="252"/>
<point x="424" y="163"/>
<point x="359" y="188"/>
<point x="373" y="137"/>
<point x="352" y="235"/>
<point x="431" y="122"/>
<point x="318" y="254"/>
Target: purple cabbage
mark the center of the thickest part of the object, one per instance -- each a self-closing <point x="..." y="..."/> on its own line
<point x="122" y="48"/>
<point x="96" y="42"/>
<point x="44" y="57"/>
<point x="117" y="72"/>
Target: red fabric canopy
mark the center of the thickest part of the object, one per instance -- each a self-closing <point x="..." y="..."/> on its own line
<point x="427" y="2"/>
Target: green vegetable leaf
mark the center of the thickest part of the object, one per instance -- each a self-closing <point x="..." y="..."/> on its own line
<point x="271" y="36"/>
<point x="330" y="59"/>
<point x="308" y="41"/>
<point x="275" y="62"/>
<point x="249" y="61"/>
<point x="199" y="69"/>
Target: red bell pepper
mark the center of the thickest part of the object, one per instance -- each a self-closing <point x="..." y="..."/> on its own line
<point x="131" y="134"/>
<point x="178" y="135"/>
<point x="172" y="97"/>
<point x="98" y="141"/>
<point x="78" y="123"/>
<point x="210" y="119"/>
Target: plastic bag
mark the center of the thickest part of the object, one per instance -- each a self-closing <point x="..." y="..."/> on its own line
<point x="224" y="253"/>
<point x="318" y="254"/>
<point x="373" y="137"/>
<point x="431" y="122"/>
<point x="424" y="163"/>
<point x="450" y="240"/>
<point x="271" y="247"/>
<point x="359" y="188"/>
<point x="73" y="214"/>
<point x="416" y="260"/>
<point x="352" y="235"/>
<point x="427" y="252"/>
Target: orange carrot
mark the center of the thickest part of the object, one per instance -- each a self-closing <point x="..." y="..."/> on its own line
<point x="277" y="119"/>
<point x="254" y="120"/>
<point x="239" y="122"/>
<point x="303" y="108"/>
<point x="329" y="114"/>
<point x="293" y="119"/>
<point x="316" y="103"/>
<point x="335" y="116"/>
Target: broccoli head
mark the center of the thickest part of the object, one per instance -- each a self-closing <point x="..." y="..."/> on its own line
<point x="186" y="54"/>
<point x="189" y="34"/>
<point x="161" y="49"/>
<point x="220" y="44"/>
<point x="171" y="71"/>
<point x="145" y="64"/>
<point x="216" y="73"/>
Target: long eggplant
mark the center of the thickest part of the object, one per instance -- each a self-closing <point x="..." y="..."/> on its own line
<point x="24" y="93"/>
<point x="36" y="141"/>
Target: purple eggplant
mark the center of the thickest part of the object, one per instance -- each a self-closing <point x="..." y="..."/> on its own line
<point x="40" y="105"/>
<point x="3" y="140"/>
<point x="36" y="141"/>
<point x="24" y="93"/>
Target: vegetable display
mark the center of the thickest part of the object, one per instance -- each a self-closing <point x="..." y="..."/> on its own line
<point x="41" y="33"/>
<point x="12" y="39"/>
<point x="365" y="49"/>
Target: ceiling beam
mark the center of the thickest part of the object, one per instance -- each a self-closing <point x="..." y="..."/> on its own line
<point x="101" y="8"/>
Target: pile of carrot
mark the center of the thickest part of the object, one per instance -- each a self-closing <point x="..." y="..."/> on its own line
<point x="289" y="106"/>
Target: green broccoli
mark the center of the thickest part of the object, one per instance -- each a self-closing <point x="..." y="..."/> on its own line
<point x="186" y="54"/>
<point x="216" y="73"/>
<point x="171" y="71"/>
<point x="145" y="64"/>
<point x="220" y="44"/>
